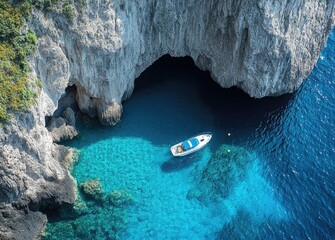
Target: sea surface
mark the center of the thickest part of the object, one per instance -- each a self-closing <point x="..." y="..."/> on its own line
<point x="283" y="189"/>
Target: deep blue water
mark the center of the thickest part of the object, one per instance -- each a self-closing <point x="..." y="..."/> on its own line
<point x="286" y="191"/>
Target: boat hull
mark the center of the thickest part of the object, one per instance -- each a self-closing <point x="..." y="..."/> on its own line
<point x="203" y="140"/>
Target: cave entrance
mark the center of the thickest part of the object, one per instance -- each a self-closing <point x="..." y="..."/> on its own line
<point x="193" y="91"/>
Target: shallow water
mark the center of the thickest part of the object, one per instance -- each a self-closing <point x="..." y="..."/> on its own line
<point x="282" y="190"/>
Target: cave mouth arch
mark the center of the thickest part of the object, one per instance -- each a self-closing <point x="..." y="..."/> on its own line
<point x="231" y="107"/>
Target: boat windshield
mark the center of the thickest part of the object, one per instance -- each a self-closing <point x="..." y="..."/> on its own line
<point x="190" y="143"/>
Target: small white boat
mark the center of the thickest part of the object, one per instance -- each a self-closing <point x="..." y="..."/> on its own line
<point x="190" y="145"/>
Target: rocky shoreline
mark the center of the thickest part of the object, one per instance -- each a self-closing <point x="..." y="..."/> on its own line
<point x="263" y="48"/>
<point x="33" y="176"/>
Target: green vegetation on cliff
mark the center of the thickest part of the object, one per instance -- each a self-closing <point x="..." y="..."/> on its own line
<point x="49" y="5"/>
<point x="17" y="90"/>
<point x="45" y="5"/>
<point x="16" y="44"/>
<point x="66" y="6"/>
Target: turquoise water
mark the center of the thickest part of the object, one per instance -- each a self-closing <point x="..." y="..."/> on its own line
<point x="276" y="182"/>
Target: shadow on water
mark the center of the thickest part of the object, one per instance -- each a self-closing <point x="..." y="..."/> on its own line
<point x="180" y="163"/>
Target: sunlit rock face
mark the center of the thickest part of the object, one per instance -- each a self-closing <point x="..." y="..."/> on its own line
<point x="265" y="48"/>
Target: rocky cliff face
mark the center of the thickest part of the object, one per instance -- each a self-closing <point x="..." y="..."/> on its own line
<point x="265" y="48"/>
<point x="33" y="175"/>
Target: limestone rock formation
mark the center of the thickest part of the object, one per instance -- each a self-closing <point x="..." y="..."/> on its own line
<point x="63" y="128"/>
<point x="20" y="224"/>
<point x="69" y="117"/>
<point x="263" y="47"/>
<point x="33" y="175"/>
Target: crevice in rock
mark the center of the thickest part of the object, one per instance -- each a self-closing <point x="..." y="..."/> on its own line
<point x="4" y="198"/>
<point x="67" y="100"/>
<point x="62" y="124"/>
<point x="244" y="45"/>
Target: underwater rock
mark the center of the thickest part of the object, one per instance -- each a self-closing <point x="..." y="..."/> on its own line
<point x="72" y="211"/>
<point x="92" y="189"/>
<point x="80" y="208"/>
<point x="241" y="226"/>
<point x="103" y="218"/>
<point x="225" y="169"/>
<point x="98" y="222"/>
<point x="119" y="198"/>
<point x="63" y="228"/>
<point x="104" y="224"/>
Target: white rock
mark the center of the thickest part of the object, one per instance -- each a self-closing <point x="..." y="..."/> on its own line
<point x="264" y="47"/>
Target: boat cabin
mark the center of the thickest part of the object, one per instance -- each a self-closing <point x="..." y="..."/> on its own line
<point x="187" y="145"/>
